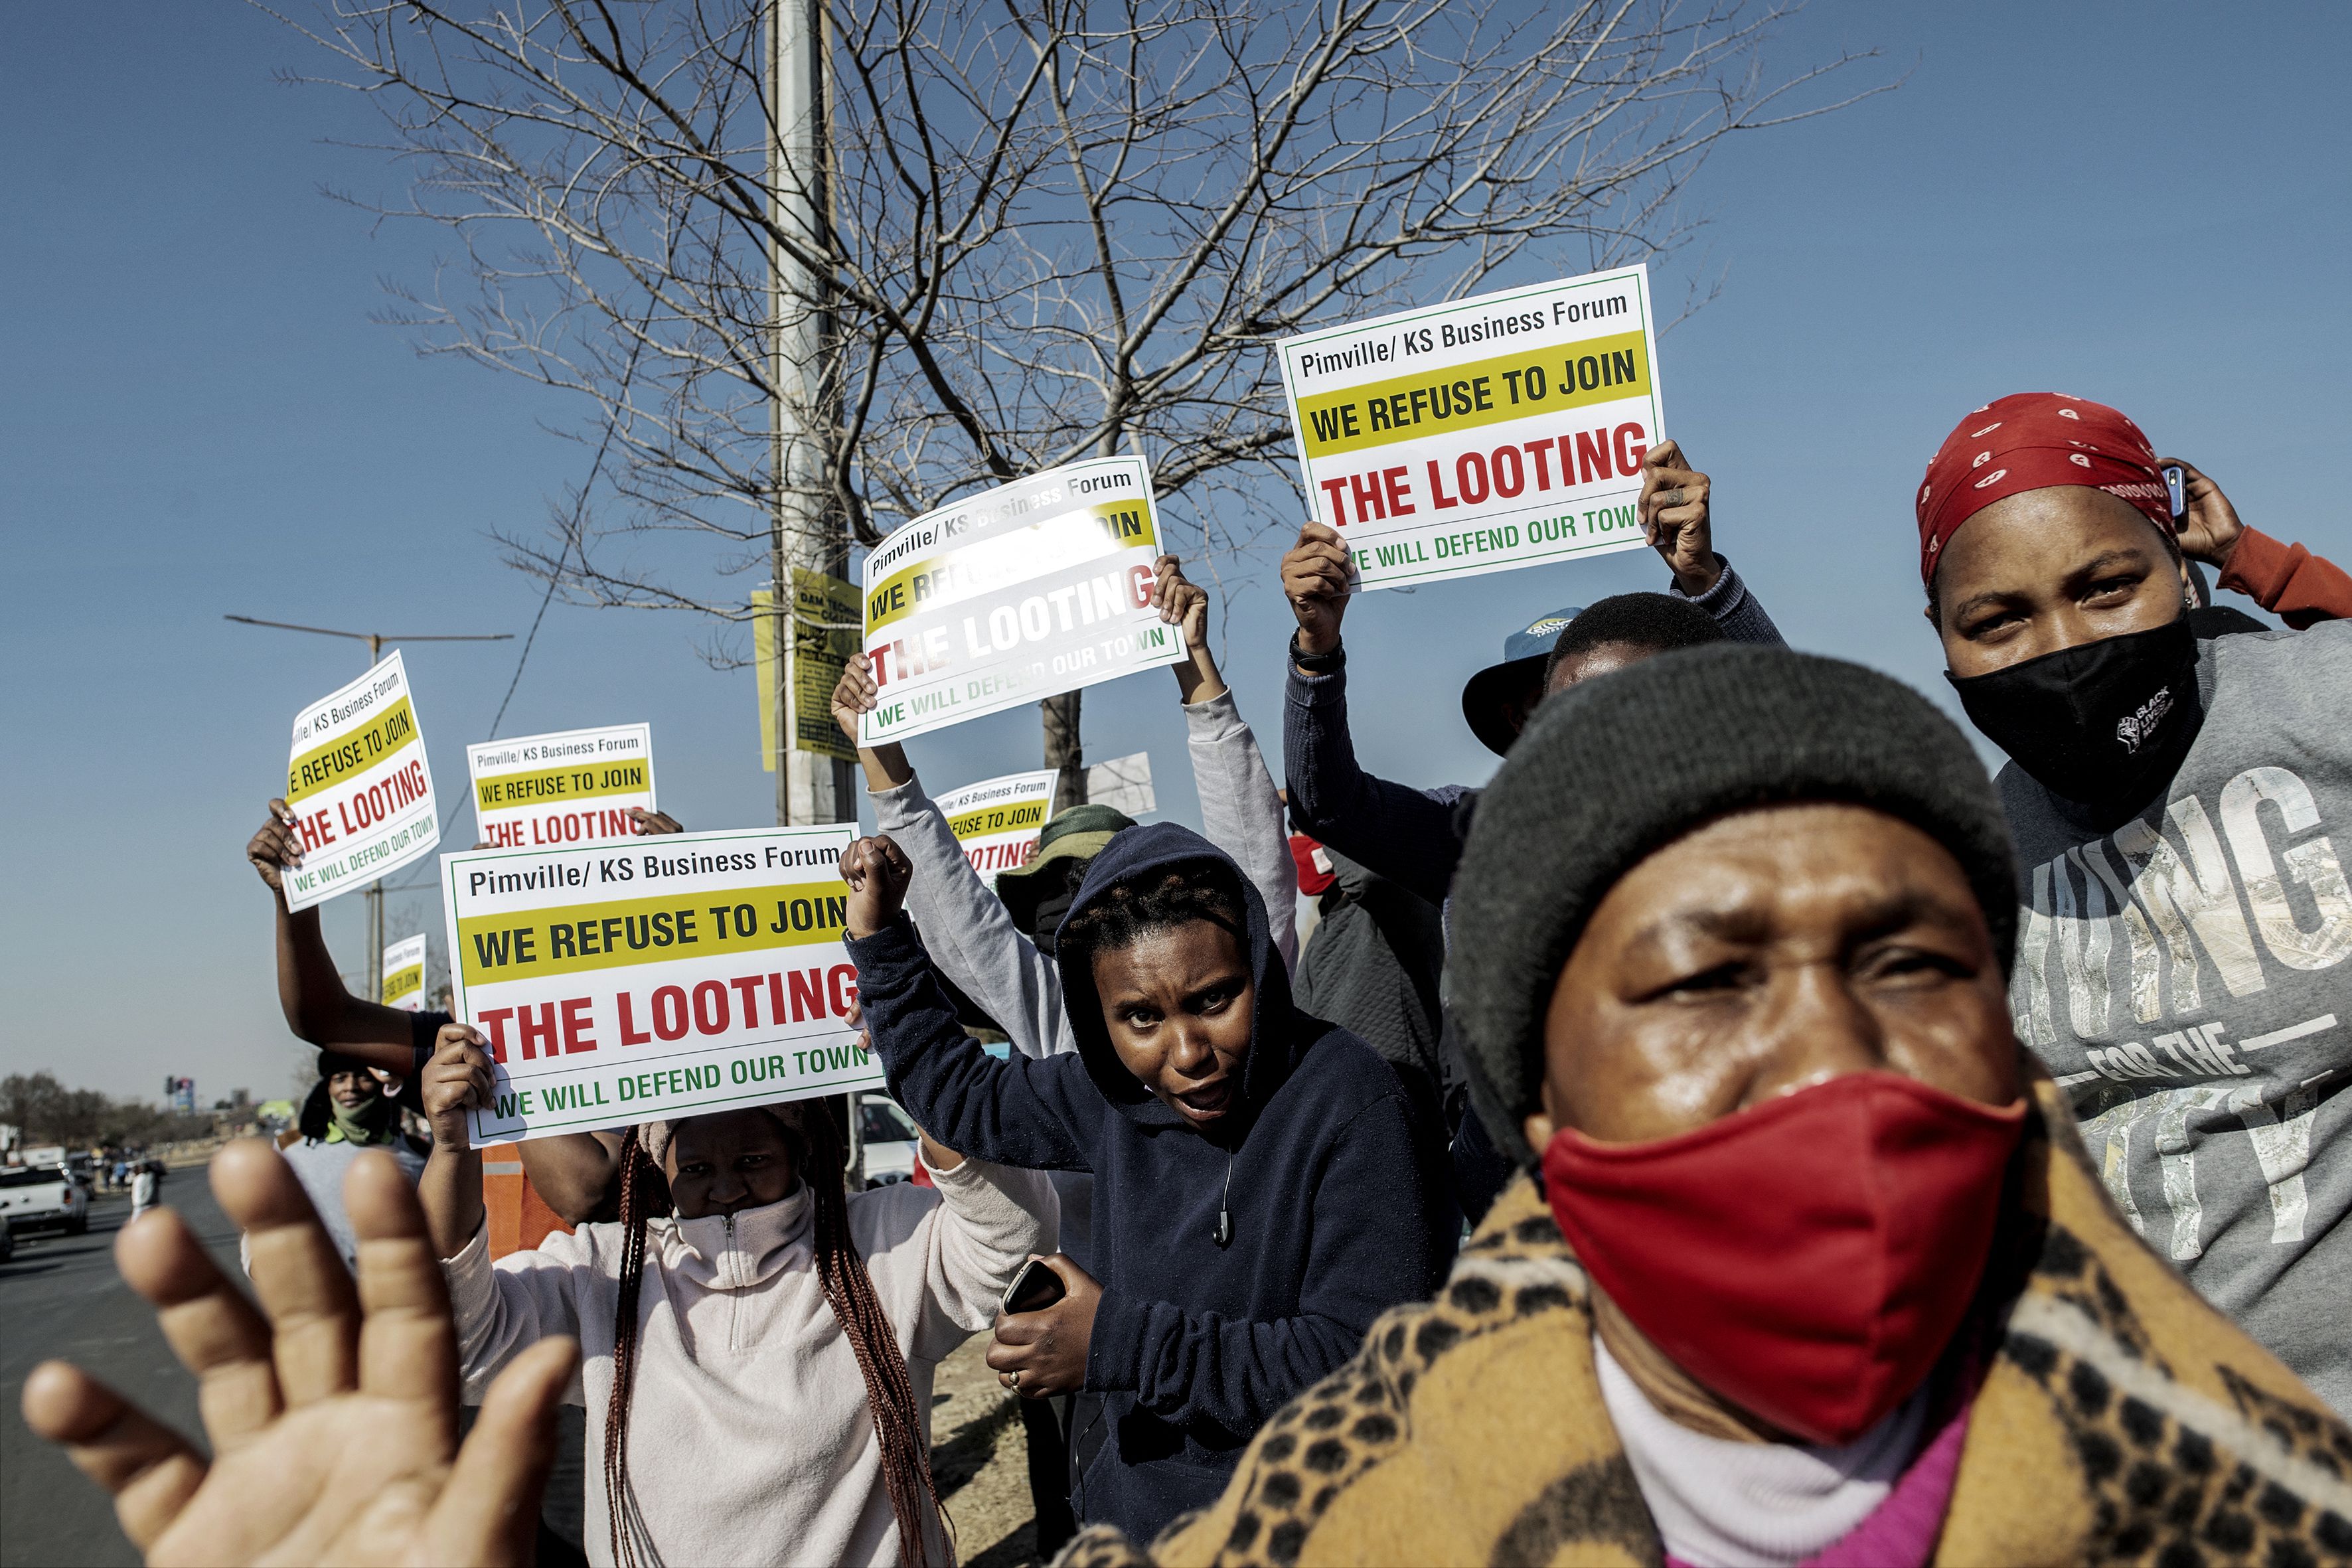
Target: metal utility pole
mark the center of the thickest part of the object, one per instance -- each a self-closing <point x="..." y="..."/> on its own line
<point x="809" y="532"/>
<point x="375" y="641"/>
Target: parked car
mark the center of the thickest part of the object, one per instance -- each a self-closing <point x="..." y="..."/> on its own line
<point x="890" y="1136"/>
<point x="32" y="1198"/>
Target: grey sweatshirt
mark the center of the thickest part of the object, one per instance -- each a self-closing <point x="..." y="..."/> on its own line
<point x="971" y="936"/>
<point x="2184" y="978"/>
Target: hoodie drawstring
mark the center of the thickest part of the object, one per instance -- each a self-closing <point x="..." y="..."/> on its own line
<point x="1224" y="1205"/>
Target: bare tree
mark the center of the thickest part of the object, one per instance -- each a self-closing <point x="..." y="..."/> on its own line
<point x="1049" y="229"/>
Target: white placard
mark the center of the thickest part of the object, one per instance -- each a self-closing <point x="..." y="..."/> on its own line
<point x="404" y="973"/>
<point x="1033" y="588"/>
<point x="660" y="978"/>
<point x="574" y="786"/>
<point x="1483" y="435"/>
<point x="997" y="821"/>
<point x="1124" y="785"/>
<point x="359" y="786"/>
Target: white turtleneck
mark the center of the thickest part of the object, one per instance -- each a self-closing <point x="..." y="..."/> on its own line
<point x="749" y="1438"/>
<point x="1725" y="1504"/>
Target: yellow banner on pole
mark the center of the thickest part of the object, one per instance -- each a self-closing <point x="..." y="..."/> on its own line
<point x="827" y="626"/>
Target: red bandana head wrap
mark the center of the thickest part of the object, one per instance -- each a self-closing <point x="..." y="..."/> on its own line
<point x="2033" y="441"/>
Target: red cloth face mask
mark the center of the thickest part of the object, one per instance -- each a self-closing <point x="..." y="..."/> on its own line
<point x="1807" y="1260"/>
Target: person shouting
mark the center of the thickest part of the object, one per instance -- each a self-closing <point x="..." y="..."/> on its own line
<point x="2185" y="915"/>
<point x="1803" y="1264"/>
<point x="757" y="1362"/>
<point x="1257" y="1195"/>
<point x="996" y="947"/>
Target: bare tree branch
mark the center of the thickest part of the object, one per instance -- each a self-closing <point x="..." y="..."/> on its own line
<point x="1056" y="227"/>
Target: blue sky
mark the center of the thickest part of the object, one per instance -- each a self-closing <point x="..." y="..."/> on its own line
<point x="2140" y="203"/>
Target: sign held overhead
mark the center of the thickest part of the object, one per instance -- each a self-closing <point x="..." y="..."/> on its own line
<point x="656" y="979"/>
<point x="1482" y="434"/>
<point x="404" y="973"/>
<point x="1026" y="590"/>
<point x="996" y="821"/>
<point x="359" y="786"/>
<point x="574" y="786"/>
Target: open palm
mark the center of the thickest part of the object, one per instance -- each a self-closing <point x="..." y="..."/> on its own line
<point x="333" y="1419"/>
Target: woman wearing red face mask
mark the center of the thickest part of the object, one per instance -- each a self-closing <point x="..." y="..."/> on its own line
<point x="1806" y="1267"/>
<point x="2174" y="800"/>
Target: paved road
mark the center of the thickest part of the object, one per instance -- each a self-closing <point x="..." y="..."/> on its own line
<point x="62" y="1298"/>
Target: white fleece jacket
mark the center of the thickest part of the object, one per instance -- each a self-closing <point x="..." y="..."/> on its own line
<point x="750" y="1437"/>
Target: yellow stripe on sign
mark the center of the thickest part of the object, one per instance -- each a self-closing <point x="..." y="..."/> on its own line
<point x="360" y="749"/>
<point x="616" y="932"/>
<point x="506" y="791"/>
<point x="955" y="574"/>
<point x="998" y="818"/>
<point x="400" y="982"/>
<point x="1485" y="392"/>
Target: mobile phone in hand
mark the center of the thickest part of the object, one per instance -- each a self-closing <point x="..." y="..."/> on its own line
<point x="2176" y="484"/>
<point x="1034" y="1289"/>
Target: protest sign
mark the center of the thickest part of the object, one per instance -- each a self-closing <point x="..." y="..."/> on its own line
<point x="659" y="978"/>
<point x="359" y="786"/>
<point x="1482" y="434"/>
<point x="575" y="786"/>
<point x="825" y="633"/>
<point x="1033" y="588"/>
<point x="996" y="821"/>
<point x="404" y="973"/>
<point x="1124" y="785"/>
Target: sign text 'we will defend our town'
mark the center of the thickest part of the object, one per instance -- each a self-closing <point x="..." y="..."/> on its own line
<point x="657" y="978"/>
<point x="1482" y="434"/>
<point x="1033" y="588"/>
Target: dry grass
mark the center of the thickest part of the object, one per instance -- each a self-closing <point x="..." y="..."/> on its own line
<point x="980" y="1463"/>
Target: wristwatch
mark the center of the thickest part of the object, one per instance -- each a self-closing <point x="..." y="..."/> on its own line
<point x="1319" y="663"/>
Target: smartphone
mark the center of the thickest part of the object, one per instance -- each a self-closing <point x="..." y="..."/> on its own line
<point x="2178" y="486"/>
<point x="1034" y="1289"/>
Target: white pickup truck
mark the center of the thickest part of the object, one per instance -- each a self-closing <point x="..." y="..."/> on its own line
<point x="33" y="1196"/>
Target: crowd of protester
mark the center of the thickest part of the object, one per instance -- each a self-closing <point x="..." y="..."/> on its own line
<point x="1742" y="1133"/>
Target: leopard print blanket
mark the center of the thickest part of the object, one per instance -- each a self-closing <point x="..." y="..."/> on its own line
<point x="2120" y="1419"/>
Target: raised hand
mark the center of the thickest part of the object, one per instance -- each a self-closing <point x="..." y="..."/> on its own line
<point x="853" y="694"/>
<point x="333" y="1410"/>
<point x="1674" y="513"/>
<point x="2209" y="532"/>
<point x="459" y="1077"/>
<point x="878" y="872"/>
<point x="1184" y="603"/>
<point x="653" y="823"/>
<point x="1180" y="601"/>
<point x="856" y="693"/>
<point x="275" y="845"/>
<point x="1315" y="581"/>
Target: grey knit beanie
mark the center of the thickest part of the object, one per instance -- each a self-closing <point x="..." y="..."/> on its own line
<point x="1617" y="767"/>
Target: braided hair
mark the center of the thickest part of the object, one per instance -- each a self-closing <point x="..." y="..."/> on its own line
<point x="822" y="1161"/>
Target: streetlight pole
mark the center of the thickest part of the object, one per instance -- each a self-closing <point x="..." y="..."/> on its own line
<point x="808" y="533"/>
<point x="375" y="641"/>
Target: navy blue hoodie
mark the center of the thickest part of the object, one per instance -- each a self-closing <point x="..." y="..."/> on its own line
<point x="1195" y="1345"/>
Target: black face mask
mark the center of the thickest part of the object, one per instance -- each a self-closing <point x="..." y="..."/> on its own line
<point x="2102" y="723"/>
<point x="1050" y="910"/>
